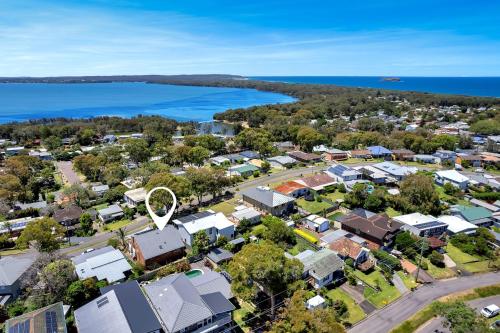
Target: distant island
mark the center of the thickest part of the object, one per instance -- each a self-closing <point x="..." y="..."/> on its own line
<point x="391" y="79"/>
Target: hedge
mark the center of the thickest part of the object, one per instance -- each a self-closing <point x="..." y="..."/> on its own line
<point x="306" y="236"/>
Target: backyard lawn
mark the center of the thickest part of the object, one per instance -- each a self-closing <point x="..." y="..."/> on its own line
<point x="468" y="262"/>
<point x="240" y="315"/>
<point x="116" y="225"/>
<point x="408" y="280"/>
<point x="313" y="207"/>
<point x="446" y="197"/>
<point x="101" y="206"/>
<point x="458" y="256"/>
<point x="387" y="293"/>
<point x="224" y="207"/>
<point x="335" y="195"/>
<point x="355" y="311"/>
<point x="301" y="245"/>
<point x="391" y="212"/>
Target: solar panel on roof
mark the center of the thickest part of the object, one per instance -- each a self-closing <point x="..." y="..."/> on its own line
<point x="23" y="327"/>
<point x="102" y="301"/>
<point x="51" y="322"/>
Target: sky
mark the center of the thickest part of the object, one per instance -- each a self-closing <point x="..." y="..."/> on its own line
<point x="251" y="38"/>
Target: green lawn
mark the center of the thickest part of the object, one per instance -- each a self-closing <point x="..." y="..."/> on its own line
<point x="355" y="312"/>
<point x="391" y="212"/>
<point x="116" y="225"/>
<point x="301" y="245"/>
<point x="241" y="314"/>
<point x="10" y="252"/>
<point x="386" y="295"/>
<point x="361" y="160"/>
<point x="418" y="164"/>
<point x="101" y="206"/>
<point x="408" y="280"/>
<point x="258" y="230"/>
<point x="335" y="195"/>
<point x="446" y="197"/>
<point x="458" y="256"/>
<point x="313" y="207"/>
<point x="224" y="207"/>
<point x="438" y="272"/>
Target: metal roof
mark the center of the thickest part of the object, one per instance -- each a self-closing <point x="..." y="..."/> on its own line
<point x="267" y="196"/>
<point x="157" y="242"/>
<point x="13" y="267"/>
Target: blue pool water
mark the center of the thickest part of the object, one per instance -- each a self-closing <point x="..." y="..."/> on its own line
<point x="24" y="101"/>
<point x="472" y="86"/>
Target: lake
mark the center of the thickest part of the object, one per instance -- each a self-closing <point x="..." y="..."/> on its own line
<point x="472" y="86"/>
<point x="24" y="101"/>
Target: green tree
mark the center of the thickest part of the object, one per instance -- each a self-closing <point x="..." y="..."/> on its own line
<point x="278" y="232"/>
<point x="121" y="234"/>
<point x="436" y="258"/>
<point x="308" y="137"/>
<point x="265" y="166"/>
<point x="201" y="242"/>
<point x="81" y="292"/>
<point x="263" y="265"/>
<point x="296" y="318"/>
<point x="198" y="155"/>
<point x="138" y="150"/>
<point x="52" y="142"/>
<point x="54" y="280"/>
<point x="86" y="223"/>
<point x="43" y="234"/>
<point x="178" y="184"/>
<point x="460" y="318"/>
<point x="418" y="193"/>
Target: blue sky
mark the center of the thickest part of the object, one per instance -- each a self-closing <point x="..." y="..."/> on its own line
<point x="382" y="37"/>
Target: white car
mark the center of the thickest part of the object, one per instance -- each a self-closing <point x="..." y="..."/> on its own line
<point x="88" y="250"/>
<point x="490" y="311"/>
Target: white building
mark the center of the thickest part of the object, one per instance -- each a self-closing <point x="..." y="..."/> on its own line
<point x="315" y="302"/>
<point x="317" y="223"/>
<point x="104" y="264"/>
<point x="457" y="225"/>
<point x="110" y="213"/>
<point x="422" y="225"/>
<point x="214" y="224"/>
<point x="135" y="197"/>
<point x="453" y="177"/>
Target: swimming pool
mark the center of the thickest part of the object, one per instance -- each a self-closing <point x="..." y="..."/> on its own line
<point x="194" y="273"/>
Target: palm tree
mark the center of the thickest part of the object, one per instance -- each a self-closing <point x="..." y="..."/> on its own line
<point x="121" y="236"/>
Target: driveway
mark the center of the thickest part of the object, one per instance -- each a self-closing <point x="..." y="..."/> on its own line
<point x="68" y="174"/>
<point x="383" y="320"/>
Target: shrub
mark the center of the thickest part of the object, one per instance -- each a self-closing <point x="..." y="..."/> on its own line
<point x="436" y="259"/>
<point x="175" y="267"/>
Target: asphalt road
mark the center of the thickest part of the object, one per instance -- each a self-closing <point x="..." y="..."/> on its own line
<point x="383" y="320"/>
<point x="435" y="325"/>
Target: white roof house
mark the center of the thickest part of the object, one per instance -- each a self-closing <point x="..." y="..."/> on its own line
<point x="452" y="176"/>
<point x="457" y="225"/>
<point x="104" y="264"/>
<point x="421" y="225"/>
<point x="315" y="302"/>
<point x="397" y="171"/>
<point x="135" y="197"/>
<point x="247" y="213"/>
<point x="214" y="224"/>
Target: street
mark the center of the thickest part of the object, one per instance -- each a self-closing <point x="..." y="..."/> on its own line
<point x="383" y="320"/>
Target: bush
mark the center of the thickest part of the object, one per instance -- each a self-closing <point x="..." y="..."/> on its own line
<point x="351" y="279"/>
<point x="256" y="173"/>
<point x="175" y="267"/>
<point x="306" y="236"/>
<point x="437" y="259"/>
<point x="114" y="242"/>
<point x="424" y="265"/>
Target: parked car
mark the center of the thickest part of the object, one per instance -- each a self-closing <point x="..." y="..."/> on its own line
<point x="490" y="311"/>
<point x="495" y="325"/>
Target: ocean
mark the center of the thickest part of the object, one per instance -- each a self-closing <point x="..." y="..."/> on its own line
<point x="471" y="86"/>
<point x="25" y="101"/>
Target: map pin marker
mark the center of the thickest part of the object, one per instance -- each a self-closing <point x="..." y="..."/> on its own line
<point x="161" y="221"/>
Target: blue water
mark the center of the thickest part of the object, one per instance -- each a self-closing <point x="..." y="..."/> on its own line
<point x="472" y="86"/>
<point x="24" y="101"/>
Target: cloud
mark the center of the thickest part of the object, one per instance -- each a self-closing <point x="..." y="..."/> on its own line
<point x="46" y="39"/>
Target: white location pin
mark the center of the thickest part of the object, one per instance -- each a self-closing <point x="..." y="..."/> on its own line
<point x="161" y="221"/>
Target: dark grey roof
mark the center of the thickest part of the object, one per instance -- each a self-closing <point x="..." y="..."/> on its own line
<point x="218" y="255"/>
<point x="135" y="307"/>
<point x="157" y="242"/>
<point x="194" y="217"/>
<point x="267" y="197"/>
<point x="217" y="303"/>
<point x="237" y="241"/>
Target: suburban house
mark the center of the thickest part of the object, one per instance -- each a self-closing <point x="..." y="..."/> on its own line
<point x="377" y="228"/>
<point x="334" y="235"/>
<point x="250" y="154"/>
<point x="104" y="264"/>
<point x="403" y="154"/>
<point x="317" y="182"/>
<point x="100" y="190"/>
<point x="154" y="248"/>
<point x="41" y="155"/>
<point x="347" y="248"/>
<point x="242" y="170"/>
<point x="42" y="206"/>
<point x="457" y="225"/>
<point x="429" y="159"/>
<point x="269" y="201"/>
<point x="16" y="226"/>
<point x="197" y="304"/>
<point x="246" y="213"/>
<point x="361" y="153"/>
<point x="120" y="308"/>
<point x="12" y="270"/>
<point x="446" y="156"/>
<point x="479" y="216"/>
<point x="373" y="174"/>
<point x="282" y="162"/>
<point x="256" y="162"/>
<point x="110" y="213"/>
<point x="335" y="155"/>
<point x="484" y="204"/>
<point x="214" y="224"/>
<point x="304" y="157"/>
<point x="12" y="151"/>
<point x="68" y="216"/>
<point x="321" y="268"/>
<point x="395" y="171"/>
<point x="135" y="197"/>
<point x="284" y="146"/>
<point x="219" y="160"/>
<point x="317" y="223"/>
<point x="49" y="319"/>
<point x="342" y="173"/>
<point x="422" y="225"/>
<point x="453" y="177"/>
<point x="235" y="158"/>
<point x="293" y="189"/>
<point x="109" y="138"/>
<point x="316" y="302"/>
<point x="475" y="161"/>
<point x="484" y="180"/>
<point x="379" y="152"/>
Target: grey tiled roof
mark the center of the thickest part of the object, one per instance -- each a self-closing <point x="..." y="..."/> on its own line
<point x="267" y="196"/>
<point x="218" y="255"/>
<point x="157" y="242"/>
<point x="322" y="263"/>
<point x="13" y="267"/>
